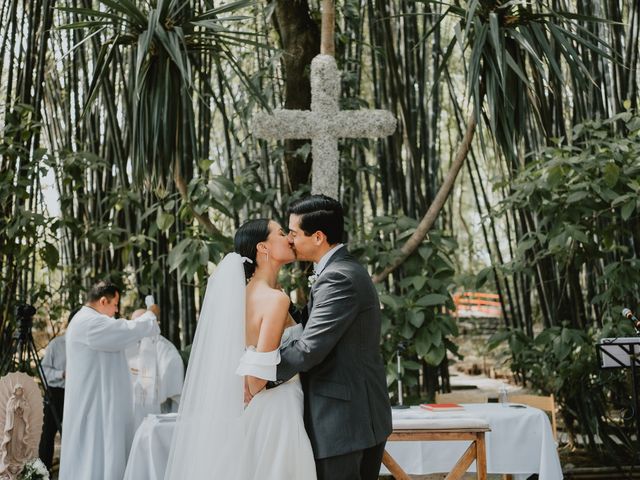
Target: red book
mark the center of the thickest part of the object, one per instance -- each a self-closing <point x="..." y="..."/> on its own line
<point x="441" y="407"/>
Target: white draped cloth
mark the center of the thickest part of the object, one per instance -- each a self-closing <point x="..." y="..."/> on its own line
<point x="520" y="442"/>
<point x="98" y="411"/>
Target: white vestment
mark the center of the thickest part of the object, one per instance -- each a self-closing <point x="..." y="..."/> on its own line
<point x="170" y="371"/>
<point x="157" y="375"/>
<point x="98" y="413"/>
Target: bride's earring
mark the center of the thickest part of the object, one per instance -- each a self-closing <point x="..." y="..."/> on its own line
<point x="267" y="254"/>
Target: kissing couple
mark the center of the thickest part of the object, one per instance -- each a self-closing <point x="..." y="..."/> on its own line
<point x="266" y="398"/>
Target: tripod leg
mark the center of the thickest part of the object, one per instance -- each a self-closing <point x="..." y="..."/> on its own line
<point x="48" y="400"/>
<point x="7" y="364"/>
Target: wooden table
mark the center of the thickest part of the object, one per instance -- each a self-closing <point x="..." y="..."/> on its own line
<point x="468" y="429"/>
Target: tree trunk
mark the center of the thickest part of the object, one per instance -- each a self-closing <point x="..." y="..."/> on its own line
<point x="438" y="202"/>
<point x="300" y="41"/>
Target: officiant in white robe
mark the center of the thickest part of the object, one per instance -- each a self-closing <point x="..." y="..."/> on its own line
<point x="157" y="375"/>
<point x="98" y="413"/>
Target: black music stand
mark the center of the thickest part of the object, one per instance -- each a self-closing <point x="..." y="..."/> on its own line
<point x="623" y="352"/>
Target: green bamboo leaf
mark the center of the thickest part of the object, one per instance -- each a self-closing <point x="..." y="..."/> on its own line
<point x="542" y="42"/>
<point x="88" y="12"/>
<point x="82" y="25"/>
<point x="144" y="42"/>
<point x="226" y="8"/>
<point x="495" y="36"/>
<point x="475" y="61"/>
<point x="128" y="8"/>
<point x="524" y="43"/>
<point x="105" y="56"/>
<point x="470" y="16"/>
<point x="444" y="62"/>
<point x="172" y="46"/>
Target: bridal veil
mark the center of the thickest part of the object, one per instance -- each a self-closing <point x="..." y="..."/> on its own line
<point x="209" y="426"/>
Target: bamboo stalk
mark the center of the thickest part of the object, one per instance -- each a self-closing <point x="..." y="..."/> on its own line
<point x="327" y="42"/>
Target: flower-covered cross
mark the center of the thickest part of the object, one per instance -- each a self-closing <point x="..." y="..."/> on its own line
<point x="325" y="123"/>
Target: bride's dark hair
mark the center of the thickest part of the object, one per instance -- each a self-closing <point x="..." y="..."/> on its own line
<point x="246" y="241"/>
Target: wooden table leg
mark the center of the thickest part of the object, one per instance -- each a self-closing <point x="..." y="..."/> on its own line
<point x="463" y="463"/>
<point x="481" y="457"/>
<point x="394" y="468"/>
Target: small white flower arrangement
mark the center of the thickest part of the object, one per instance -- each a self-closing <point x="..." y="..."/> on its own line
<point x="311" y="279"/>
<point x="34" y="470"/>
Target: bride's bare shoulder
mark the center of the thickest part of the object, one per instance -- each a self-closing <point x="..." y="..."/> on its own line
<point x="265" y="296"/>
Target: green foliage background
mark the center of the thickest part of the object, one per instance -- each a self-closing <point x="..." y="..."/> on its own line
<point x="139" y="114"/>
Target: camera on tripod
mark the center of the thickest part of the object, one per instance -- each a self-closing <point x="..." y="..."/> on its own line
<point x="22" y="354"/>
<point x="24" y="316"/>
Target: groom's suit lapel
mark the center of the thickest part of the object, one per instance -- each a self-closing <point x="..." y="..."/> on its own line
<point x="309" y="305"/>
<point x="340" y="254"/>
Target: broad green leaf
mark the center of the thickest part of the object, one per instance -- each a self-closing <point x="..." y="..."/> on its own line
<point x="416" y="318"/>
<point x="164" y="220"/>
<point x="411" y="365"/>
<point x="435" y="355"/>
<point x="406" y="331"/>
<point x="577" y="196"/>
<point x="432" y="299"/>
<point x="484" y="275"/>
<point x="389" y="301"/>
<point x="419" y="282"/>
<point x="611" y="174"/>
<point x="203" y="255"/>
<point x="628" y="209"/>
<point x="50" y="255"/>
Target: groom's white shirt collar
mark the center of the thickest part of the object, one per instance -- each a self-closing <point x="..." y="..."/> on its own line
<point x="318" y="267"/>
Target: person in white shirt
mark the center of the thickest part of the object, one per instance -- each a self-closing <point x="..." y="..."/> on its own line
<point x="53" y="366"/>
<point x="157" y="375"/>
<point x="98" y="412"/>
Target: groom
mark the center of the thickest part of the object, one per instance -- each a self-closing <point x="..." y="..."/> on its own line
<point x="346" y="402"/>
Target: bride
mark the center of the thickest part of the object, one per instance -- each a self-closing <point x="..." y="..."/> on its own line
<point x="243" y="321"/>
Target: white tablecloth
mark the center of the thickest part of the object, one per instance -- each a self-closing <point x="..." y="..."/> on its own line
<point x="520" y="442"/>
<point x="150" y="449"/>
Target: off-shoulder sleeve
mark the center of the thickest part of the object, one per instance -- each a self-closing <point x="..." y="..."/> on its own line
<point x="259" y="364"/>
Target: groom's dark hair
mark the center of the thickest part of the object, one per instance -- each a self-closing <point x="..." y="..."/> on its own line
<point x="320" y="213"/>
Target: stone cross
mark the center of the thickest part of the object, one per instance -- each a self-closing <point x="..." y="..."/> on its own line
<point x="325" y="123"/>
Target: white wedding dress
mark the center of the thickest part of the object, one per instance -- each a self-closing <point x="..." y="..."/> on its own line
<point x="215" y="436"/>
<point x="276" y="445"/>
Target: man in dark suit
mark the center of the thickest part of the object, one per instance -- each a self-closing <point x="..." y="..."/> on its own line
<point x="347" y="410"/>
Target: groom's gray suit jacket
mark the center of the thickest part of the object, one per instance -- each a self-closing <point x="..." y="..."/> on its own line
<point x="346" y="401"/>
